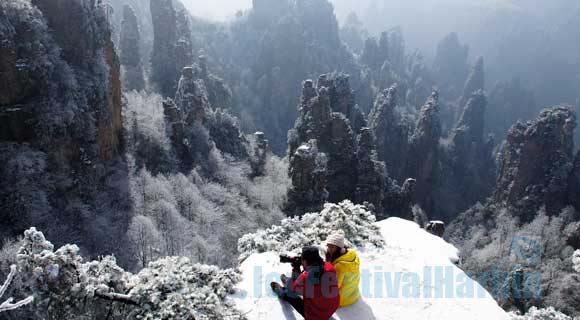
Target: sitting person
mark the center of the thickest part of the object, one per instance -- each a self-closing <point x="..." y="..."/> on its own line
<point x="347" y="265"/>
<point x="317" y="285"/>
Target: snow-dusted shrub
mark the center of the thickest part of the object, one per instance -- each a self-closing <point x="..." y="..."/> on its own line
<point x="576" y="260"/>
<point x="540" y="314"/>
<point x="356" y="221"/>
<point x="62" y="285"/>
<point x="175" y="288"/>
<point x="65" y="287"/>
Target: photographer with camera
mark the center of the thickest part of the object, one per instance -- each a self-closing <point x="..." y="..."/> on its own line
<point x="312" y="292"/>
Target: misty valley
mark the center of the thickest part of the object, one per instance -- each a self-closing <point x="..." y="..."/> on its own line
<point x="289" y="159"/>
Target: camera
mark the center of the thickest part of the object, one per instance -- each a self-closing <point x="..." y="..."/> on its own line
<point x="293" y="260"/>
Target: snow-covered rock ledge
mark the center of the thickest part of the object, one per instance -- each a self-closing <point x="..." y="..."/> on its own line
<point x="412" y="277"/>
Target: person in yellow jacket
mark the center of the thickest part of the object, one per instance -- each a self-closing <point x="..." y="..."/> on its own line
<point x="347" y="265"/>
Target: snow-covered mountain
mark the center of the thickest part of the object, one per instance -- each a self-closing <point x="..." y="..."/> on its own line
<point x="412" y="277"/>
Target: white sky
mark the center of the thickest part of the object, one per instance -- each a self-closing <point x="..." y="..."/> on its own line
<point x="216" y="9"/>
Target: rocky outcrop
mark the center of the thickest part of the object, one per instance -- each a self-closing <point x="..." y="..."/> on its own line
<point x="338" y="143"/>
<point x="22" y="73"/>
<point x="469" y="129"/>
<point x="219" y="93"/>
<point x="285" y="42"/>
<point x="371" y="55"/>
<point x="371" y="173"/>
<point x="352" y="169"/>
<point x="130" y="53"/>
<point x="308" y="171"/>
<point x="195" y="128"/>
<point x="436" y="227"/>
<point x="183" y="46"/>
<point x="163" y="69"/>
<point x="392" y="133"/>
<point x="172" y="48"/>
<point x="225" y="132"/>
<point x="260" y="153"/>
<point x="187" y="116"/>
<point x="110" y="120"/>
<point x="536" y="162"/>
<point x="468" y="174"/>
<point x="450" y="65"/>
<point x="191" y="97"/>
<point x="82" y="32"/>
<point x="531" y="205"/>
<point x="334" y="137"/>
<point x="342" y="98"/>
<point x="574" y="185"/>
<point x="475" y="81"/>
<point x="399" y="200"/>
<point x="423" y="158"/>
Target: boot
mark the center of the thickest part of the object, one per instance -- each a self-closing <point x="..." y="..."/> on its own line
<point x="277" y="288"/>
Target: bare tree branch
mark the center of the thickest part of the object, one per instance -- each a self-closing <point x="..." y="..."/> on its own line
<point x="117" y="297"/>
<point x="8" y="280"/>
<point x="8" y="305"/>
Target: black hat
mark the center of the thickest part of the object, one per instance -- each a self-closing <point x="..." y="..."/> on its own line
<point x="312" y="255"/>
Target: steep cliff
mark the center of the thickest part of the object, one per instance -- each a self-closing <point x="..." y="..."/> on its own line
<point x="172" y="49"/>
<point x="468" y="164"/>
<point x="130" y="54"/>
<point x="61" y="120"/>
<point x="391" y="132"/>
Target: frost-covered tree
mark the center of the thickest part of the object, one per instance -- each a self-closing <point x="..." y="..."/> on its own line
<point x="144" y="238"/>
<point x="197" y="212"/>
<point x="513" y="249"/>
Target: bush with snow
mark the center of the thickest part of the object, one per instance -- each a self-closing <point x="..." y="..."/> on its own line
<point x="356" y="221"/>
<point x="576" y="260"/>
<point x="174" y="288"/>
<point x="540" y="314"/>
<point x="62" y="285"/>
<point x="65" y="287"/>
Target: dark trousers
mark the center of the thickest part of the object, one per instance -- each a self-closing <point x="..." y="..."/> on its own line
<point x="293" y="299"/>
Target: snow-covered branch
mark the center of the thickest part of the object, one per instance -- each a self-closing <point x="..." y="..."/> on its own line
<point x="117" y="297"/>
<point x="8" y="304"/>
